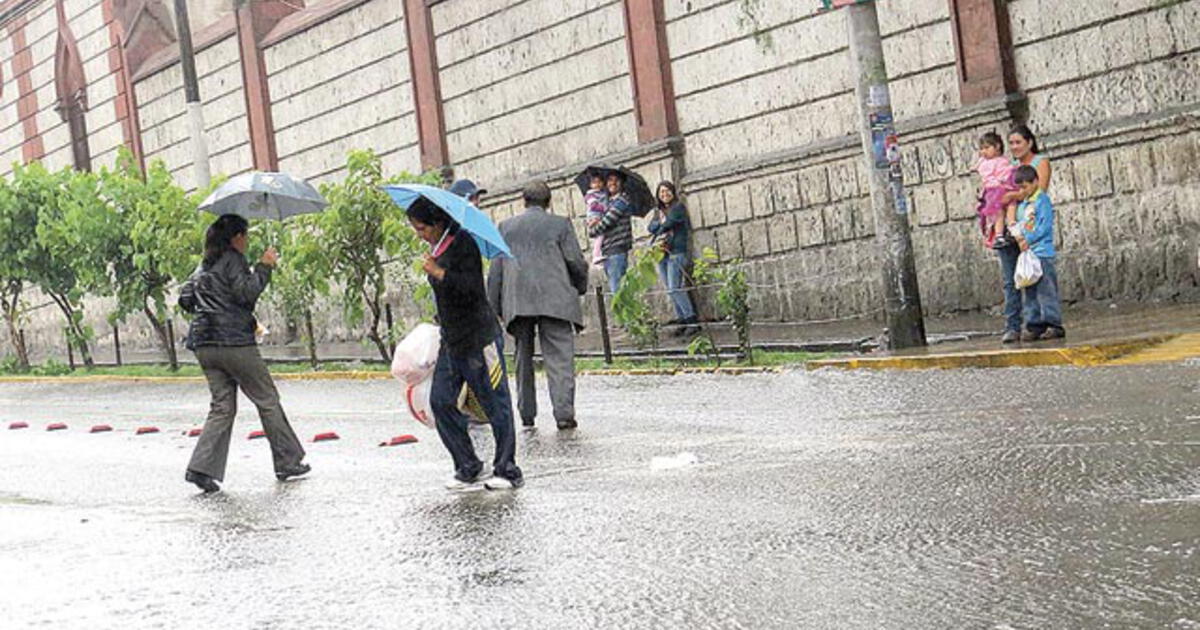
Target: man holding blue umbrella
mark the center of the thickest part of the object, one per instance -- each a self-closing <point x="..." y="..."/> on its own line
<point x="472" y="342"/>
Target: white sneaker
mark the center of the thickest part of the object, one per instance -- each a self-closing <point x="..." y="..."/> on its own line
<point x="500" y="483"/>
<point x="457" y="485"/>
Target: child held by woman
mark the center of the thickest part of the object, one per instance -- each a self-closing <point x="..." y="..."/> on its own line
<point x="995" y="171"/>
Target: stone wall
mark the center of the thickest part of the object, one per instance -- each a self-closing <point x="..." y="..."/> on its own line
<point x="324" y="108"/>
<point x="166" y="128"/>
<point x="86" y="21"/>
<point x="776" y="180"/>
<point x="532" y="85"/>
<point x="1115" y="88"/>
<point x="11" y="132"/>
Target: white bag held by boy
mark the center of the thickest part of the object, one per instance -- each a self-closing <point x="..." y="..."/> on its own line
<point x="417" y="354"/>
<point x="1029" y="270"/>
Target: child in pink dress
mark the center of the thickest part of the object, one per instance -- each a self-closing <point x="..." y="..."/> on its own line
<point x="996" y="172"/>
<point x="596" y="201"/>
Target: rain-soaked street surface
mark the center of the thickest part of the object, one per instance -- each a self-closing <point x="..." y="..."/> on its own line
<point x="1035" y="498"/>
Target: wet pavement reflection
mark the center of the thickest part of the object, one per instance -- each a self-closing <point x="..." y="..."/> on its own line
<point x="1030" y="498"/>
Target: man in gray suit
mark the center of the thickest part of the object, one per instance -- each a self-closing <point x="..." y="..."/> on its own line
<point x="536" y="293"/>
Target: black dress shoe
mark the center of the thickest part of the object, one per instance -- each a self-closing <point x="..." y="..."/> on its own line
<point x="564" y="425"/>
<point x="526" y="422"/>
<point x="202" y="481"/>
<point x="292" y="471"/>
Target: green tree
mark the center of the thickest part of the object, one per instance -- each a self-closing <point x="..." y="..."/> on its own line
<point x="53" y="263"/>
<point x="18" y="223"/>
<point x="630" y="308"/>
<point x="733" y="295"/>
<point x="154" y="231"/>
<point x="301" y="275"/>
<point x="362" y="230"/>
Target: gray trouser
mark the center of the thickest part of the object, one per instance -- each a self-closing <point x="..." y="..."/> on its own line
<point x="226" y="369"/>
<point x="557" y="338"/>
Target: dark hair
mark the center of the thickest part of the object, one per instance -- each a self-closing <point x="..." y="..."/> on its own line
<point x="1025" y="132"/>
<point x="991" y="139"/>
<point x="1025" y="175"/>
<point x="219" y="237"/>
<point x="669" y="186"/>
<point x="536" y="194"/>
<point x="429" y="213"/>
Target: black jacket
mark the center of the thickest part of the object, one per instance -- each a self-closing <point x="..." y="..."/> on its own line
<point x="222" y="298"/>
<point x="467" y="319"/>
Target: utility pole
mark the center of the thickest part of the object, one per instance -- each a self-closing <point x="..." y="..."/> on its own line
<point x="906" y="323"/>
<point x="191" y="88"/>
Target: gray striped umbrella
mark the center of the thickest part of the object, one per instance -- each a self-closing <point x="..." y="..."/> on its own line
<point x="259" y="195"/>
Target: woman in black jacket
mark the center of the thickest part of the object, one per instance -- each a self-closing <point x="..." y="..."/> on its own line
<point x="471" y="352"/>
<point x="222" y="294"/>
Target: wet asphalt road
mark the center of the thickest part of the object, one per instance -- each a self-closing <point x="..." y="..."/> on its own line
<point x="1037" y="498"/>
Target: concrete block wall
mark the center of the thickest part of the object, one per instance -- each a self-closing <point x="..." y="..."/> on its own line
<point x="532" y="86"/>
<point x="324" y="107"/>
<point x="92" y="34"/>
<point x="1115" y="89"/>
<point x="774" y="170"/>
<point x="166" y="128"/>
<point x="11" y="133"/>
<point x="41" y="38"/>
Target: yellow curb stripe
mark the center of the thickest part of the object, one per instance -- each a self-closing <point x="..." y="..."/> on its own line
<point x="1175" y="350"/>
<point x="1078" y="356"/>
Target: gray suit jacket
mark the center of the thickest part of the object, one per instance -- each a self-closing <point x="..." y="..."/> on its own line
<point x="547" y="273"/>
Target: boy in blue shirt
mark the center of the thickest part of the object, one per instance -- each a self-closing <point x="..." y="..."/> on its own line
<point x="1034" y="232"/>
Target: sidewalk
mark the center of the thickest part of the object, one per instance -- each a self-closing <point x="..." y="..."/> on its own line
<point x="1095" y="336"/>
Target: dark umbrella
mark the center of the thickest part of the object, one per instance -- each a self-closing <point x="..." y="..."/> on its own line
<point x="641" y="200"/>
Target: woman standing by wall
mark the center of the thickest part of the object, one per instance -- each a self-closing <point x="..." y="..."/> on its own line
<point x="671" y="227"/>
<point x="1023" y="146"/>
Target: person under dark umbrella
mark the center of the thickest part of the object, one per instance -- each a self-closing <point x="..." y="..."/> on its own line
<point x="222" y="294"/>
<point x="467" y="189"/>
<point x="617" y="231"/>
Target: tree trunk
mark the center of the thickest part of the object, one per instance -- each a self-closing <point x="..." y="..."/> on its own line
<point x="77" y="334"/>
<point x="376" y="314"/>
<point x="160" y="329"/>
<point x="14" y="331"/>
<point x="311" y="338"/>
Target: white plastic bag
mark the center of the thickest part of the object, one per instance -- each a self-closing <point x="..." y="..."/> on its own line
<point x="417" y="354"/>
<point x="417" y="397"/>
<point x="1029" y="270"/>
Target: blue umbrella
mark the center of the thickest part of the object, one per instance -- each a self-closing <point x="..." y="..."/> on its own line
<point x="259" y="195"/>
<point x="468" y="217"/>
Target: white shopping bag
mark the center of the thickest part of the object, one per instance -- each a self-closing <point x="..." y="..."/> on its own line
<point x="417" y="397"/>
<point x="1029" y="270"/>
<point x="417" y="354"/>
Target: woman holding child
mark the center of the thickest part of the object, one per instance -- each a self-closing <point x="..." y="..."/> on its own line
<point x="1029" y="216"/>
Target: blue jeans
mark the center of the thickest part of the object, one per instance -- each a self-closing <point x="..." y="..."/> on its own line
<point x="1043" y="308"/>
<point x="452" y="426"/>
<point x="670" y="271"/>
<point x="1012" y="295"/>
<point x="614" y="267"/>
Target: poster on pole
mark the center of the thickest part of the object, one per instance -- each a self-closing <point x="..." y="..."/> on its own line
<point x="830" y="5"/>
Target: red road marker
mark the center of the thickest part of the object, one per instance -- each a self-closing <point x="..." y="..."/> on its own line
<point x="325" y="437"/>
<point x="399" y="440"/>
<point x="56" y="426"/>
<point x="254" y="435"/>
<point x="18" y="425"/>
<point x="146" y="430"/>
<point x="194" y="432"/>
<point x="100" y="428"/>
